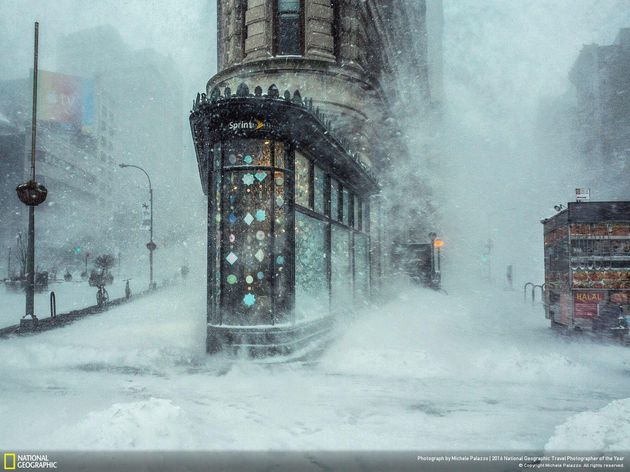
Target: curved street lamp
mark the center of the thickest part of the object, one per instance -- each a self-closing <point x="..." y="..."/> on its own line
<point x="151" y="246"/>
<point x="32" y="194"/>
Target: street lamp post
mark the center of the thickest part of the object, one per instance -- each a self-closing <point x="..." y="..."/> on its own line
<point x="151" y="246"/>
<point x="32" y="194"/>
<point x="432" y="237"/>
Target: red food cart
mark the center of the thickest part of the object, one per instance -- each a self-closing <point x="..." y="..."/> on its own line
<point x="587" y="267"/>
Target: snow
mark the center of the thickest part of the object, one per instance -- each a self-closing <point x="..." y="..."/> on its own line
<point x="471" y="370"/>
<point x="607" y="429"/>
<point x="475" y="369"/>
<point x="146" y="424"/>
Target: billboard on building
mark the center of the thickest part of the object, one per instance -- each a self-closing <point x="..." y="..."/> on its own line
<point x="66" y="99"/>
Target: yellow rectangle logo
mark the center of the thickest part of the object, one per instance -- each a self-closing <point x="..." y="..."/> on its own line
<point x="9" y="461"/>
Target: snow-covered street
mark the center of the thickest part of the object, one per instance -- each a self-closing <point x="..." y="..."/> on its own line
<point x="426" y="372"/>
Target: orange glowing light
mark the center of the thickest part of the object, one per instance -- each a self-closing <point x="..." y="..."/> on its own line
<point x="438" y="243"/>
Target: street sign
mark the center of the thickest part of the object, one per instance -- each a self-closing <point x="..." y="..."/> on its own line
<point x="146" y="217"/>
<point x="582" y="194"/>
<point x="151" y="246"/>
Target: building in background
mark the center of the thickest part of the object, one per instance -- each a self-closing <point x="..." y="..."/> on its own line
<point x="601" y="76"/>
<point x="70" y="162"/>
<point x="142" y="125"/>
<point x="11" y="174"/>
<point x="107" y="104"/>
<point x="313" y="190"/>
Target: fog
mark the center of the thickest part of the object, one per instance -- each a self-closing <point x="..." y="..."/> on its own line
<point x="184" y="34"/>
<point x="504" y="61"/>
<point x="494" y="178"/>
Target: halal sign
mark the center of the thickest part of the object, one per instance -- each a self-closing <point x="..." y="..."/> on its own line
<point x="585" y="303"/>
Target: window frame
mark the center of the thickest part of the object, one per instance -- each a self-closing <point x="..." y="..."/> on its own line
<point x="330" y="220"/>
<point x="336" y="29"/>
<point x="276" y="29"/>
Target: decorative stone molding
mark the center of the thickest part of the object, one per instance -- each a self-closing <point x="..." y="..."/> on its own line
<point x="202" y="102"/>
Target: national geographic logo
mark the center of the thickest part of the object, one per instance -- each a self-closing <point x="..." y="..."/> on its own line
<point x="9" y="461"/>
<point x="254" y="125"/>
<point x="13" y="461"/>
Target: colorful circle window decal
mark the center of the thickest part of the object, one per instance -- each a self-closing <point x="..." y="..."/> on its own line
<point x="279" y="181"/>
<point x="280" y="260"/>
<point x="248" y="179"/>
<point x="249" y="299"/>
<point x="232" y="158"/>
<point x="260" y="235"/>
<point x="232" y="218"/>
<point x="232" y="238"/>
<point x="231" y="279"/>
<point x="260" y="275"/>
<point x="261" y="215"/>
<point x="249" y="279"/>
<point x="248" y="159"/>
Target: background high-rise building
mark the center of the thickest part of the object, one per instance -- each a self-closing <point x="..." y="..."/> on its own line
<point x="601" y="76"/>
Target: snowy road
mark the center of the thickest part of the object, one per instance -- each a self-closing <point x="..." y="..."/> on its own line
<point x="426" y="372"/>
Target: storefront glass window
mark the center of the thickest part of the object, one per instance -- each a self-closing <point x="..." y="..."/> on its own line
<point x="311" y="286"/>
<point x="346" y="207"/>
<point x="341" y="276"/>
<point x="361" y="267"/>
<point x="302" y="180"/>
<point x="334" y="199"/>
<point x="319" y="187"/>
<point x="253" y="235"/>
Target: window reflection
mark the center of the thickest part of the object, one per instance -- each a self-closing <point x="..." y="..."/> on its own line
<point x="334" y="199"/>
<point x="311" y="284"/>
<point x="251" y="281"/>
<point x="341" y="275"/>
<point x="302" y="180"/>
<point x="319" y="187"/>
<point x="289" y="27"/>
<point x="346" y="207"/>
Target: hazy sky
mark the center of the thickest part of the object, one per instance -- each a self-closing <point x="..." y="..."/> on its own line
<point x="502" y="57"/>
<point x="185" y="30"/>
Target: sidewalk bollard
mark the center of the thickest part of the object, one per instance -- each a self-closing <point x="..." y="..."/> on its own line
<point x="53" y="305"/>
<point x="525" y="291"/>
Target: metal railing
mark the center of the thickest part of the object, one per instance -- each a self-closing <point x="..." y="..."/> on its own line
<point x="533" y="292"/>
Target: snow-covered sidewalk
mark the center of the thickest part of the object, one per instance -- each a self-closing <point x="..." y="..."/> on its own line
<point x="69" y="296"/>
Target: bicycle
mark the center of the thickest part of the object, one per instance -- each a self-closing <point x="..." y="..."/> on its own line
<point x="102" y="297"/>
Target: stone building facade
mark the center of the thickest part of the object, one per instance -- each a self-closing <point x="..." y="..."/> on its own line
<point x="300" y="145"/>
<point x="365" y="63"/>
